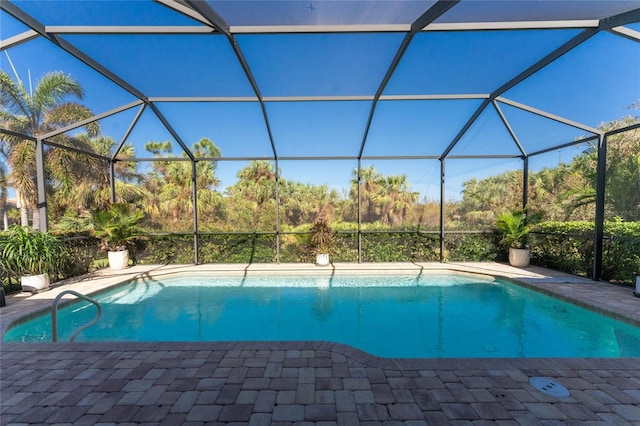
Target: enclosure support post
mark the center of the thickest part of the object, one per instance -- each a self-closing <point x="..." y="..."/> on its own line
<point x="195" y="212"/>
<point x="42" y="194"/>
<point x="277" y="213"/>
<point x="525" y="182"/>
<point x="112" y="180"/>
<point x="442" y="195"/>
<point x="359" y="212"/>
<point x="601" y="170"/>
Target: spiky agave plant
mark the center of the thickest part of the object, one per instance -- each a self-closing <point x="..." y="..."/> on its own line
<point x="322" y="236"/>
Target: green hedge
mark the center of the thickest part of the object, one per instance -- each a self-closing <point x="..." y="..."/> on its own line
<point x="400" y="247"/>
<point x="568" y="246"/>
<point x="563" y="246"/>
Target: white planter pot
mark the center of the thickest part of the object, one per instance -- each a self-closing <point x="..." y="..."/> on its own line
<point x="519" y="257"/>
<point x="322" y="259"/>
<point x="118" y="259"/>
<point x="34" y="283"/>
<point x="638" y="285"/>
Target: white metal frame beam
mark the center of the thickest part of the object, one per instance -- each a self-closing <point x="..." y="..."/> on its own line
<point x="626" y="32"/>
<point x="18" y="39"/>
<point x="293" y="29"/>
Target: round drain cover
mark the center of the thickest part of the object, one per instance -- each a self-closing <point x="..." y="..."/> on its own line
<point x="549" y="386"/>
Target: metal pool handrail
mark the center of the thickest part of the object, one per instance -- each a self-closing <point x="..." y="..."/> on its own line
<point x="54" y="314"/>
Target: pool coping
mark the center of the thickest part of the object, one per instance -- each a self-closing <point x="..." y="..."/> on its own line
<point x="609" y="299"/>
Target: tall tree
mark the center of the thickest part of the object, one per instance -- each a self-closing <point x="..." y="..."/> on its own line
<point x="171" y="183"/>
<point x="622" y="194"/>
<point x="35" y="113"/>
<point x="251" y="202"/>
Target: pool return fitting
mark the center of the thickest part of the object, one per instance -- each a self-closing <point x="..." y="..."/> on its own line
<point x="54" y="315"/>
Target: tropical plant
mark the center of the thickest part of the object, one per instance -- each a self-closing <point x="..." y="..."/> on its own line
<point x="622" y="194"/>
<point x="171" y="182"/>
<point x="322" y="236"/>
<point x="117" y="227"/>
<point x="35" y="113"/>
<point x="25" y="251"/>
<point x="515" y="227"/>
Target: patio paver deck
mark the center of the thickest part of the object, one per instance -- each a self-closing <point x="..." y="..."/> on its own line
<point x="283" y="383"/>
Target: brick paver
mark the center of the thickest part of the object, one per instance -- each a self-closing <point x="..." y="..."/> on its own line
<point x="263" y="383"/>
<point x="391" y="391"/>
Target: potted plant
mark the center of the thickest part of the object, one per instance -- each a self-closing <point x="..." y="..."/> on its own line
<point x="117" y="228"/>
<point x="515" y="227"/>
<point x="323" y="240"/>
<point x="32" y="255"/>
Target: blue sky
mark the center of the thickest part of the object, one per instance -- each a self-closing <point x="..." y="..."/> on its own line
<point x="592" y="84"/>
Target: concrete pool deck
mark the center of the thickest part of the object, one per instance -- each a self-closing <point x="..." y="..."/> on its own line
<point x="261" y="383"/>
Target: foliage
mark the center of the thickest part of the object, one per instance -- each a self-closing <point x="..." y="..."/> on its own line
<point x="165" y="249"/>
<point x="82" y="250"/>
<point x="515" y="227"/>
<point x="117" y="227"/>
<point x="473" y="247"/>
<point x="568" y="246"/>
<point x="26" y="251"/>
<point x="238" y="248"/>
<point x="170" y="184"/>
<point x="389" y="214"/>
<point x="387" y="199"/>
<point x="622" y="196"/>
<point x="35" y="112"/>
<point x="400" y="247"/>
<point x="322" y="236"/>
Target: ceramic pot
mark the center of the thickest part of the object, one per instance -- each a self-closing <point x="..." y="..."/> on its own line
<point x="34" y="283"/>
<point x="118" y="259"/>
<point x="322" y="259"/>
<point x="519" y="257"/>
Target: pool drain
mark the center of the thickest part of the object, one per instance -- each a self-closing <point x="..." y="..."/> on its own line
<point x="549" y="387"/>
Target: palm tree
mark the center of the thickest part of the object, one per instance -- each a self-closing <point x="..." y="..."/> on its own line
<point x="171" y="182"/>
<point x="257" y="181"/>
<point x="370" y="181"/>
<point x="36" y="113"/>
<point x="398" y="199"/>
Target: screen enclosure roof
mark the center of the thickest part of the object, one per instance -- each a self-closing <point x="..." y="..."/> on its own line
<point x="323" y="79"/>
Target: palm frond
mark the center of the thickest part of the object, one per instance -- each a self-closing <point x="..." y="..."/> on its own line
<point x="12" y="97"/>
<point x="53" y="88"/>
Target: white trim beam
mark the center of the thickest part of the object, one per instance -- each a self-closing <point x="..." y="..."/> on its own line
<point x="91" y="119"/>
<point x="128" y="29"/>
<point x="550" y="116"/>
<point x="511" y="25"/>
<point x="293" y="29"/>
<point x="626" y="32"/>
<point x="442" y="97"/>
<point x="18" y="39"/>
<point x="203" y="99"/>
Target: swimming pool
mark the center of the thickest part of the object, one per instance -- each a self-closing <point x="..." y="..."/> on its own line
<point x="424" y="316"/>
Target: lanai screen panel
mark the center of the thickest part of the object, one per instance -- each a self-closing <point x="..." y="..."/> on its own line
<point x="318" y="12"/>
<point x="107" y="13"/>
<point x="295" y="80"/>
<point x="528" y="10"/>
<point x="587" y="82"/>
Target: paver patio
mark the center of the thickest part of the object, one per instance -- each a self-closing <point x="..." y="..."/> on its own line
<point x="283" y="383"/>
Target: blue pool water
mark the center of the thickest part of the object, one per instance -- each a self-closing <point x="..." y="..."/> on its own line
<point x="427" y="316"/>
